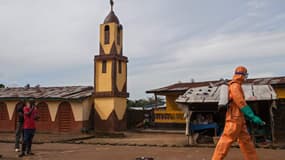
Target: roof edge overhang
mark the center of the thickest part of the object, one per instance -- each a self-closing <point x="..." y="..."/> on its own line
<point x="166" y="92"/>
<point x="167" y="88"/>
<point x="45" y="98"/>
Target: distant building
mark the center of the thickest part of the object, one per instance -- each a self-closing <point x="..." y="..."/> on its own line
<point x="137" y="115"/>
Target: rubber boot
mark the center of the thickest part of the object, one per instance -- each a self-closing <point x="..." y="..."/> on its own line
<point x="29" y="149"/>
<point x="23" y="150"/>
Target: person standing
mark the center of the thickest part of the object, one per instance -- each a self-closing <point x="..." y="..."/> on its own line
<point x="30" y="115"/>
<point x="19" y="127"/>
<point x="235" y="126"/>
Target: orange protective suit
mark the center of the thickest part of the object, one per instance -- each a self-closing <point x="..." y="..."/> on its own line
<point x="235" y="127"/>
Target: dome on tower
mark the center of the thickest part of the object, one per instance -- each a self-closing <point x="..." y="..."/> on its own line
<point x="111" y="18"/>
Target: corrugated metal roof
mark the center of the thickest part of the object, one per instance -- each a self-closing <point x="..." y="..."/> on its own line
<point x="207" y="94"/>
<point x="180" y="87"/>
<point x="67" y="92"/>
<point x="183" y="87"/>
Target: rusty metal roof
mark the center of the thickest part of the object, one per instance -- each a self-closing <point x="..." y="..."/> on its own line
<point x="180" y="87"/>
<point x="64" y="93"/>
<point x="183" y="87"/>
<point x="208" y="94"/>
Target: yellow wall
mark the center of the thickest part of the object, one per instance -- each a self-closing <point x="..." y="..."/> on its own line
<point x="87" y="104"/>
<point x="113" y="37"/>
<point x="81" y="110"/>
<point x="121" y="77"/>
<point x="103" y="80"/>
<point x="280" y="92"/>
<point x="11" y="105"/>
<point x="170" y="103"/>
<point x="120" y="107"/>
<point x="53" y="107"/>
<point x="77" y="110"/>
<point x="105" y="106"/>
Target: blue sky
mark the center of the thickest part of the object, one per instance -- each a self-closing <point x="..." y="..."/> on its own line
<point x="53" y="43"/>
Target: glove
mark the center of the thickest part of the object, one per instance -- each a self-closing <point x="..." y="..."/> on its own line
<point x="246" y="110"/>
<point x="258" y="121"/>
<point x="222" y="108"/>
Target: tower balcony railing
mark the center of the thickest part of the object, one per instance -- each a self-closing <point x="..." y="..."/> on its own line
<point x="164" y="116"/>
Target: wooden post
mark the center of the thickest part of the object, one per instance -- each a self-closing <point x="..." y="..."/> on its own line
<point x="155" y="98"/>
<point x="188" y="128"/>
<point x="273" y="104"/>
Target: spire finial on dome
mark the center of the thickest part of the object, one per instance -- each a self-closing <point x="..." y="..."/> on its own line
<point x="111" y="17"/>
<point x="112" y="4"/>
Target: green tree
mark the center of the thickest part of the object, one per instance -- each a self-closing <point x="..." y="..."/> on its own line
<point x="2" y="85"/>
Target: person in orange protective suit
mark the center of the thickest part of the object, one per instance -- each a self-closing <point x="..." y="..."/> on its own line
<point x="235" y="126"/>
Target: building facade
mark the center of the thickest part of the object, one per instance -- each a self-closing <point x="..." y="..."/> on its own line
<point x="110" y="78"/>
<point x="172" y="115"/>
<point x="61" y="109"/>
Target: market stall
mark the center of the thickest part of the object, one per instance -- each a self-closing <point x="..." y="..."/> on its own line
<point x="204" y="109"/>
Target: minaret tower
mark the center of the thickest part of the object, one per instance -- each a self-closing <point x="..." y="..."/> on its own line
<point x="110" y="77"/>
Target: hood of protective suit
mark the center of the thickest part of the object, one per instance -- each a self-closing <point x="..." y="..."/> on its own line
<point x="238" y="78"/>
<point x="239" y="74"/>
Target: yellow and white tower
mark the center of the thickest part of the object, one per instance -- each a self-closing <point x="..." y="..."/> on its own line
<point x="110" y="77"/>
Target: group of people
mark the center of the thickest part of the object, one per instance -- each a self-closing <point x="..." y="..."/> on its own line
<point x="26" y="127"/>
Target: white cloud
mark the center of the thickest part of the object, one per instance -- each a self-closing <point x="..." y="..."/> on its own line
<point x="53" y="42"/>
<point x="234" y="46"/>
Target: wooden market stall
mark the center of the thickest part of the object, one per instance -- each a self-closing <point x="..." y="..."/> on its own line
<point x="202" y="109"/>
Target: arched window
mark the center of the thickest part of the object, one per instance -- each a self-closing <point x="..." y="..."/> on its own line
<point x="43" y="112"/>
<point x="120" y="67"/>
<point x="64" y="117"/>
<point x="106" y="34"/>
<point x="104" y="66"/>
<point x="44" y="124"/>
<point x="3" y="111"/>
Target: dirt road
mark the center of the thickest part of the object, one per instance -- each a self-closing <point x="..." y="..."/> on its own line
<point x="53" y="151"/>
